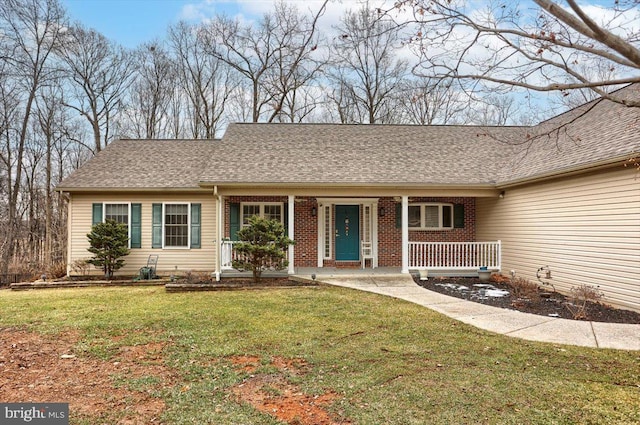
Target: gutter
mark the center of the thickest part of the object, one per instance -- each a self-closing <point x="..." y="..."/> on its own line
<point x="343" y="185"/>
<point x="131" y="189"/>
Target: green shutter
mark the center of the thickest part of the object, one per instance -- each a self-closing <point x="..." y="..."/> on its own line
<point x="97" y="214"/>
<point x="195" y="225"/>
<point x="136" y="225"/>
<point x="458" y="216"/>
<point x="156" y="228"/>
<point x="234" y="220"/>
<point x="398" y="215"/>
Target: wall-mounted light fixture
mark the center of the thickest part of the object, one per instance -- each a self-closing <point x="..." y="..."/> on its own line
<point x="381" y="212"/>
<point x="314" y="211"/>
<point x="501" y="194"/>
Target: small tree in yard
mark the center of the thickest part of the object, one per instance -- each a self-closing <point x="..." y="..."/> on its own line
<point x="262" y="246"/>
<point x="109" y="242"/>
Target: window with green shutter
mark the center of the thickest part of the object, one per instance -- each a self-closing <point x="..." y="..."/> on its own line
<point x="123" y="213"/>
<point x="97" y="214"/>
<point x="195" y="225"/>
<point x="156" y="226"/>
<point x="136" y="225"/>
<point x="234" y="220"/>
<point x="458" y="216"/>
<point x="176" y="225"/>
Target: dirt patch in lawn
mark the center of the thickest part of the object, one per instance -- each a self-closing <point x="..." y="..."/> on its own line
<point x="541" y="300"/>
<point x="274" y="394"/>
<point x="43" y="368"/>
<point x="126" y="388"/>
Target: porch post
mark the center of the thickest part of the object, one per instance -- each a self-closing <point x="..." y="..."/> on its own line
<point x="405" y="234"/>
<point x="292" y="219"/>
<point x="219" y="234"/>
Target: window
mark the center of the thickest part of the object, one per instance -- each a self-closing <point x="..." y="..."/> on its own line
<point x="117" y="212"/>
<point x="129" y="214"/>
<point x="327" y="231"/>
<point x="176" y="225"/>
<point x="269" y="211"/>
<point x="431" y="216"/>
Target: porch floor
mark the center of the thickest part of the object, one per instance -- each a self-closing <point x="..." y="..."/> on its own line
<point x="306" y="272"/>
<point x="328" y="272"/>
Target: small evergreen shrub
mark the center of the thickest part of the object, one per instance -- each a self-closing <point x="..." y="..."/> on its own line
<point x="262" y="246"/>
<point x="109" y="243"/>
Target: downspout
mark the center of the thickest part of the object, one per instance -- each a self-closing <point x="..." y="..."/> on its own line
<point x="405" y="234"/>
<point x="218" y="240"/>
<point x="291" y="250"/>
<point x="67" y="197"/>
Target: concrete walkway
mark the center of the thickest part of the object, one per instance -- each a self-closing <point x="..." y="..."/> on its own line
<point x="507" y="322"/>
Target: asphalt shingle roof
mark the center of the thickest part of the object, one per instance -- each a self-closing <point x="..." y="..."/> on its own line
<point x="356" y="154"/>
<point x="594" y="132"/>
<point x="395" y="155"/>
<point x="144" y="164"/>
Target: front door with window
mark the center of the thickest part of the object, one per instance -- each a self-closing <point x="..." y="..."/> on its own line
<point x="347" y="233"/>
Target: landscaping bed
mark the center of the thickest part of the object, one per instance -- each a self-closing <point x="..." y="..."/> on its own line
<point x="542" y="301"/>
<point x="39" y="284"/>
<point x="235" y="284"/>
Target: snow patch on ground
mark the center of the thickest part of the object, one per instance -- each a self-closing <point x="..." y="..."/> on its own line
<point x="453" y="286"/>
<point x="485" y="290"/>
<point x="479" y="290"/>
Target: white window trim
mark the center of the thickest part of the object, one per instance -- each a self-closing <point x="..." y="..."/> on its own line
<point x="188" y="204"/>
<point x="327" y="219"/>
<point x="128" y="204"/>
<point x="440" y="206"/>
<point x="261" y="213"/>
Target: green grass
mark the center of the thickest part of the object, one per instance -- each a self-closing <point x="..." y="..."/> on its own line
<point x="390" y="361"/>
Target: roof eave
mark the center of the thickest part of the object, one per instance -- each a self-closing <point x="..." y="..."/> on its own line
<point x="84" y="189"/>
<point x="569" y="171"/>
<point x="390" y="185"/>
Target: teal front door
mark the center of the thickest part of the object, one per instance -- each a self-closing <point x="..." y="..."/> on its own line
<point x="347" y="233"/>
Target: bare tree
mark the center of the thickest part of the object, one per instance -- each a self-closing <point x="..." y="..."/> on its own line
<point x="505" y="46"/>
<point x="207" y="81"/>
<point x="100" y="73"/>
<point x="54" y="126"/>
<point x="148" y="113"/>
<point x="274" y="55"/>
<point x="368" y="72"/>
<point x="30" y="29"/>
<point x="424" y="101"/>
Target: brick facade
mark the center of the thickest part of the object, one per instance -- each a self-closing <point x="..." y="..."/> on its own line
<point x="389" y="235"/>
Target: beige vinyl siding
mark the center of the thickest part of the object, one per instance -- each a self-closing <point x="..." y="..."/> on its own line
<point x="585" y="228"/>
<point x="182" y="259"/>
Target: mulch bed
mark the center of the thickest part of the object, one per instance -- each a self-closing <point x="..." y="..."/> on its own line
<point x="553" y="306"/>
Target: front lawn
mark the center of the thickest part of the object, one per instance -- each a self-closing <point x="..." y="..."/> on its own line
<point x="299" y="356"/>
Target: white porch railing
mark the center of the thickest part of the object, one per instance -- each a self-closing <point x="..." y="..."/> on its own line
<point x="228" y="254"/>
<point x="455" y="255"/>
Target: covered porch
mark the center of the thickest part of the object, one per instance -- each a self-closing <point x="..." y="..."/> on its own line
<point x="338" y="235"/>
